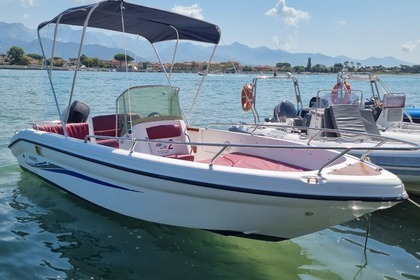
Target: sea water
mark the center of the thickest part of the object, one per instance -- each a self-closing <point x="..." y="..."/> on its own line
<point x="46" y="233"/>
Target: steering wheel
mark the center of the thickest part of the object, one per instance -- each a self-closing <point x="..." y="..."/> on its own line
<point x="154" y="114"/>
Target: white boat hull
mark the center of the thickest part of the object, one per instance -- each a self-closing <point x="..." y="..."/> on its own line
<point x="196" y="195"/>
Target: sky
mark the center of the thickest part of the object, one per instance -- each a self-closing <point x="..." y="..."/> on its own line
<point x="355" y="28"/>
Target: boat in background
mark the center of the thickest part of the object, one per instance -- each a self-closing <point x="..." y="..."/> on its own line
<point x="379" y="91"/>
<point x="412" y="114"/>
<point x="339" y="116"/>
<point x="144" y="160"/>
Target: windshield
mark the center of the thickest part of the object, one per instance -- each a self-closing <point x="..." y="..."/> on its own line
<point x="147" y="103"/>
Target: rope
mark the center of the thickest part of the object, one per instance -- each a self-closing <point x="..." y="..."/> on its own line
<point x="415" y="203"/>
<point x="367" y="233"/>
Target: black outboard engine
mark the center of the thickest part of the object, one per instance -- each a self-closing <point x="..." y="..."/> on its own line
<point x="78" y="112"/>
<point x="284" y="110"/>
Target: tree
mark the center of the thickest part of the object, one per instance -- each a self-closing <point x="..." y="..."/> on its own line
<point x="338" y="67"/>
<point x="346" y="64"/>
<point x="298" y="69"/>
<point x="309" y="64"/>
<point x="35" y="56"/>
<point x="17" y="56"/>
<point x="91" y="62"/>
<point x="122" y="57"/>
<point x="284" y="66"/>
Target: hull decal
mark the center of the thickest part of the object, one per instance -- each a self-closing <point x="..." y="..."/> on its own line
<point x="46" y="166"/>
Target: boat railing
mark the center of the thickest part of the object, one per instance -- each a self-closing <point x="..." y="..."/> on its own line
<point x="337" y="96"/>
<point x="318" y="132"/>
<point x="351" y="136"/>
<point x="408" y="146"/>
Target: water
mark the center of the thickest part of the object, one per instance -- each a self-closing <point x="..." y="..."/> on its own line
<point x="48" y="234"/>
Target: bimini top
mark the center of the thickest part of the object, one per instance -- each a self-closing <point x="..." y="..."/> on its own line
<point x="152" y="24"/>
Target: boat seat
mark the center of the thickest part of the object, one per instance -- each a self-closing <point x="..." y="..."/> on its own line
<point x="75" y="130"/>
<point x="393" y="100"/>
<point x="104" y="125"/>
<point x="369" y="121"/>
<point x="169" y="132"/>
<point x="166" y="130"/>
<point x="343" y="117"/>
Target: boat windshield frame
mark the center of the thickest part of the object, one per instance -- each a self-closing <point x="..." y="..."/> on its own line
<point x="141" y="104"/>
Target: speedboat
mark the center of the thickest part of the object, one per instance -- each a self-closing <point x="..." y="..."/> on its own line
<point x="389" y="107"/>
<point x="338" y="116"/>
<point x="394" y="120"/>
<point x="146" y="161"/>
<point x="412" y="114"/>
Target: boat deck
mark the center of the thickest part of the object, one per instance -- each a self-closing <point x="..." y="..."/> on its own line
<point x="254" y="162"/>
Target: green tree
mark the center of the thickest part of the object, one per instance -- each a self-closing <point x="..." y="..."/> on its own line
<point x="91" y="62"/>
<point x="338" y="67"/>
<point x="122" y="57"/>
<point x="17" y="56"/>
<point x="58" y="62"/>
<point x="309" y="64"/>
<point x="34" y="56"/>
<point x="298" y="69"/>
<point x="284" y="66"/>
<point x="247" y="68"/>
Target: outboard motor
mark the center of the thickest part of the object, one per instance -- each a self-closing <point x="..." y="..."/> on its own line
<point x="78" y="112"/>
<point x="284" y="110"/>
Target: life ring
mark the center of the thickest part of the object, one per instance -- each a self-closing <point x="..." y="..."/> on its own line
<point x="247" y="97"/>
<point x="338" y="87"/>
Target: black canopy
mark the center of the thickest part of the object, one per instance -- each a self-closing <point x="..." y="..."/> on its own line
<point x="152" y="24"/>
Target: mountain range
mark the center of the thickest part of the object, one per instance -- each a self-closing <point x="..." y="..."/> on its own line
<point x="105" y="46"/>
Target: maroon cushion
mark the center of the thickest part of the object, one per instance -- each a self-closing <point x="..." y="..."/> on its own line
<point x="106" y="122"/>
<point x="76" y="130"/>
<point x="164" y="131"/>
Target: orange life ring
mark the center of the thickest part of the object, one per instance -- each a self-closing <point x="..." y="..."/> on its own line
<point x="338" y="87"/>
<point x="247" y="97"/>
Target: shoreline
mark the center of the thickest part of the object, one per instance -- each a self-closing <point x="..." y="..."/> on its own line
<point x="41" y="67"/>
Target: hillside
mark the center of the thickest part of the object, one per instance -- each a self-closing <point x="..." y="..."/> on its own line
<point x="106" y="46"/>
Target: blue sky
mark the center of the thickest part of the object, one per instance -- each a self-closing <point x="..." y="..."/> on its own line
<point x="355" y="28"/>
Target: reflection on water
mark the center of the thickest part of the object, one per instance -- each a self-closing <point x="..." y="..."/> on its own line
<point x="392" y="249"/>
<point x="68" y="237"/>
<point x="54" y="235"/>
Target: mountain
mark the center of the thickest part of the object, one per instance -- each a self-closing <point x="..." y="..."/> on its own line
<point x="16" y="31"/>
<point x="105" y="46"/>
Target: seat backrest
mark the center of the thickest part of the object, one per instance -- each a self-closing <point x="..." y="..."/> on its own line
<point x="392" y="110"/>
<point x="369" y="121"/>
<point x="75" y="130"/>
<point x="346" y="117"/>
<point x="393" y="100"/>
<point x="167" y="130"/>
<point x="104" y="125"/>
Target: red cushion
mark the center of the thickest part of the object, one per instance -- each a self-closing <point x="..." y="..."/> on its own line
<point x="76" y="130"/>
<point x="164" y="131"/>
<point x="104" y="125"/>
